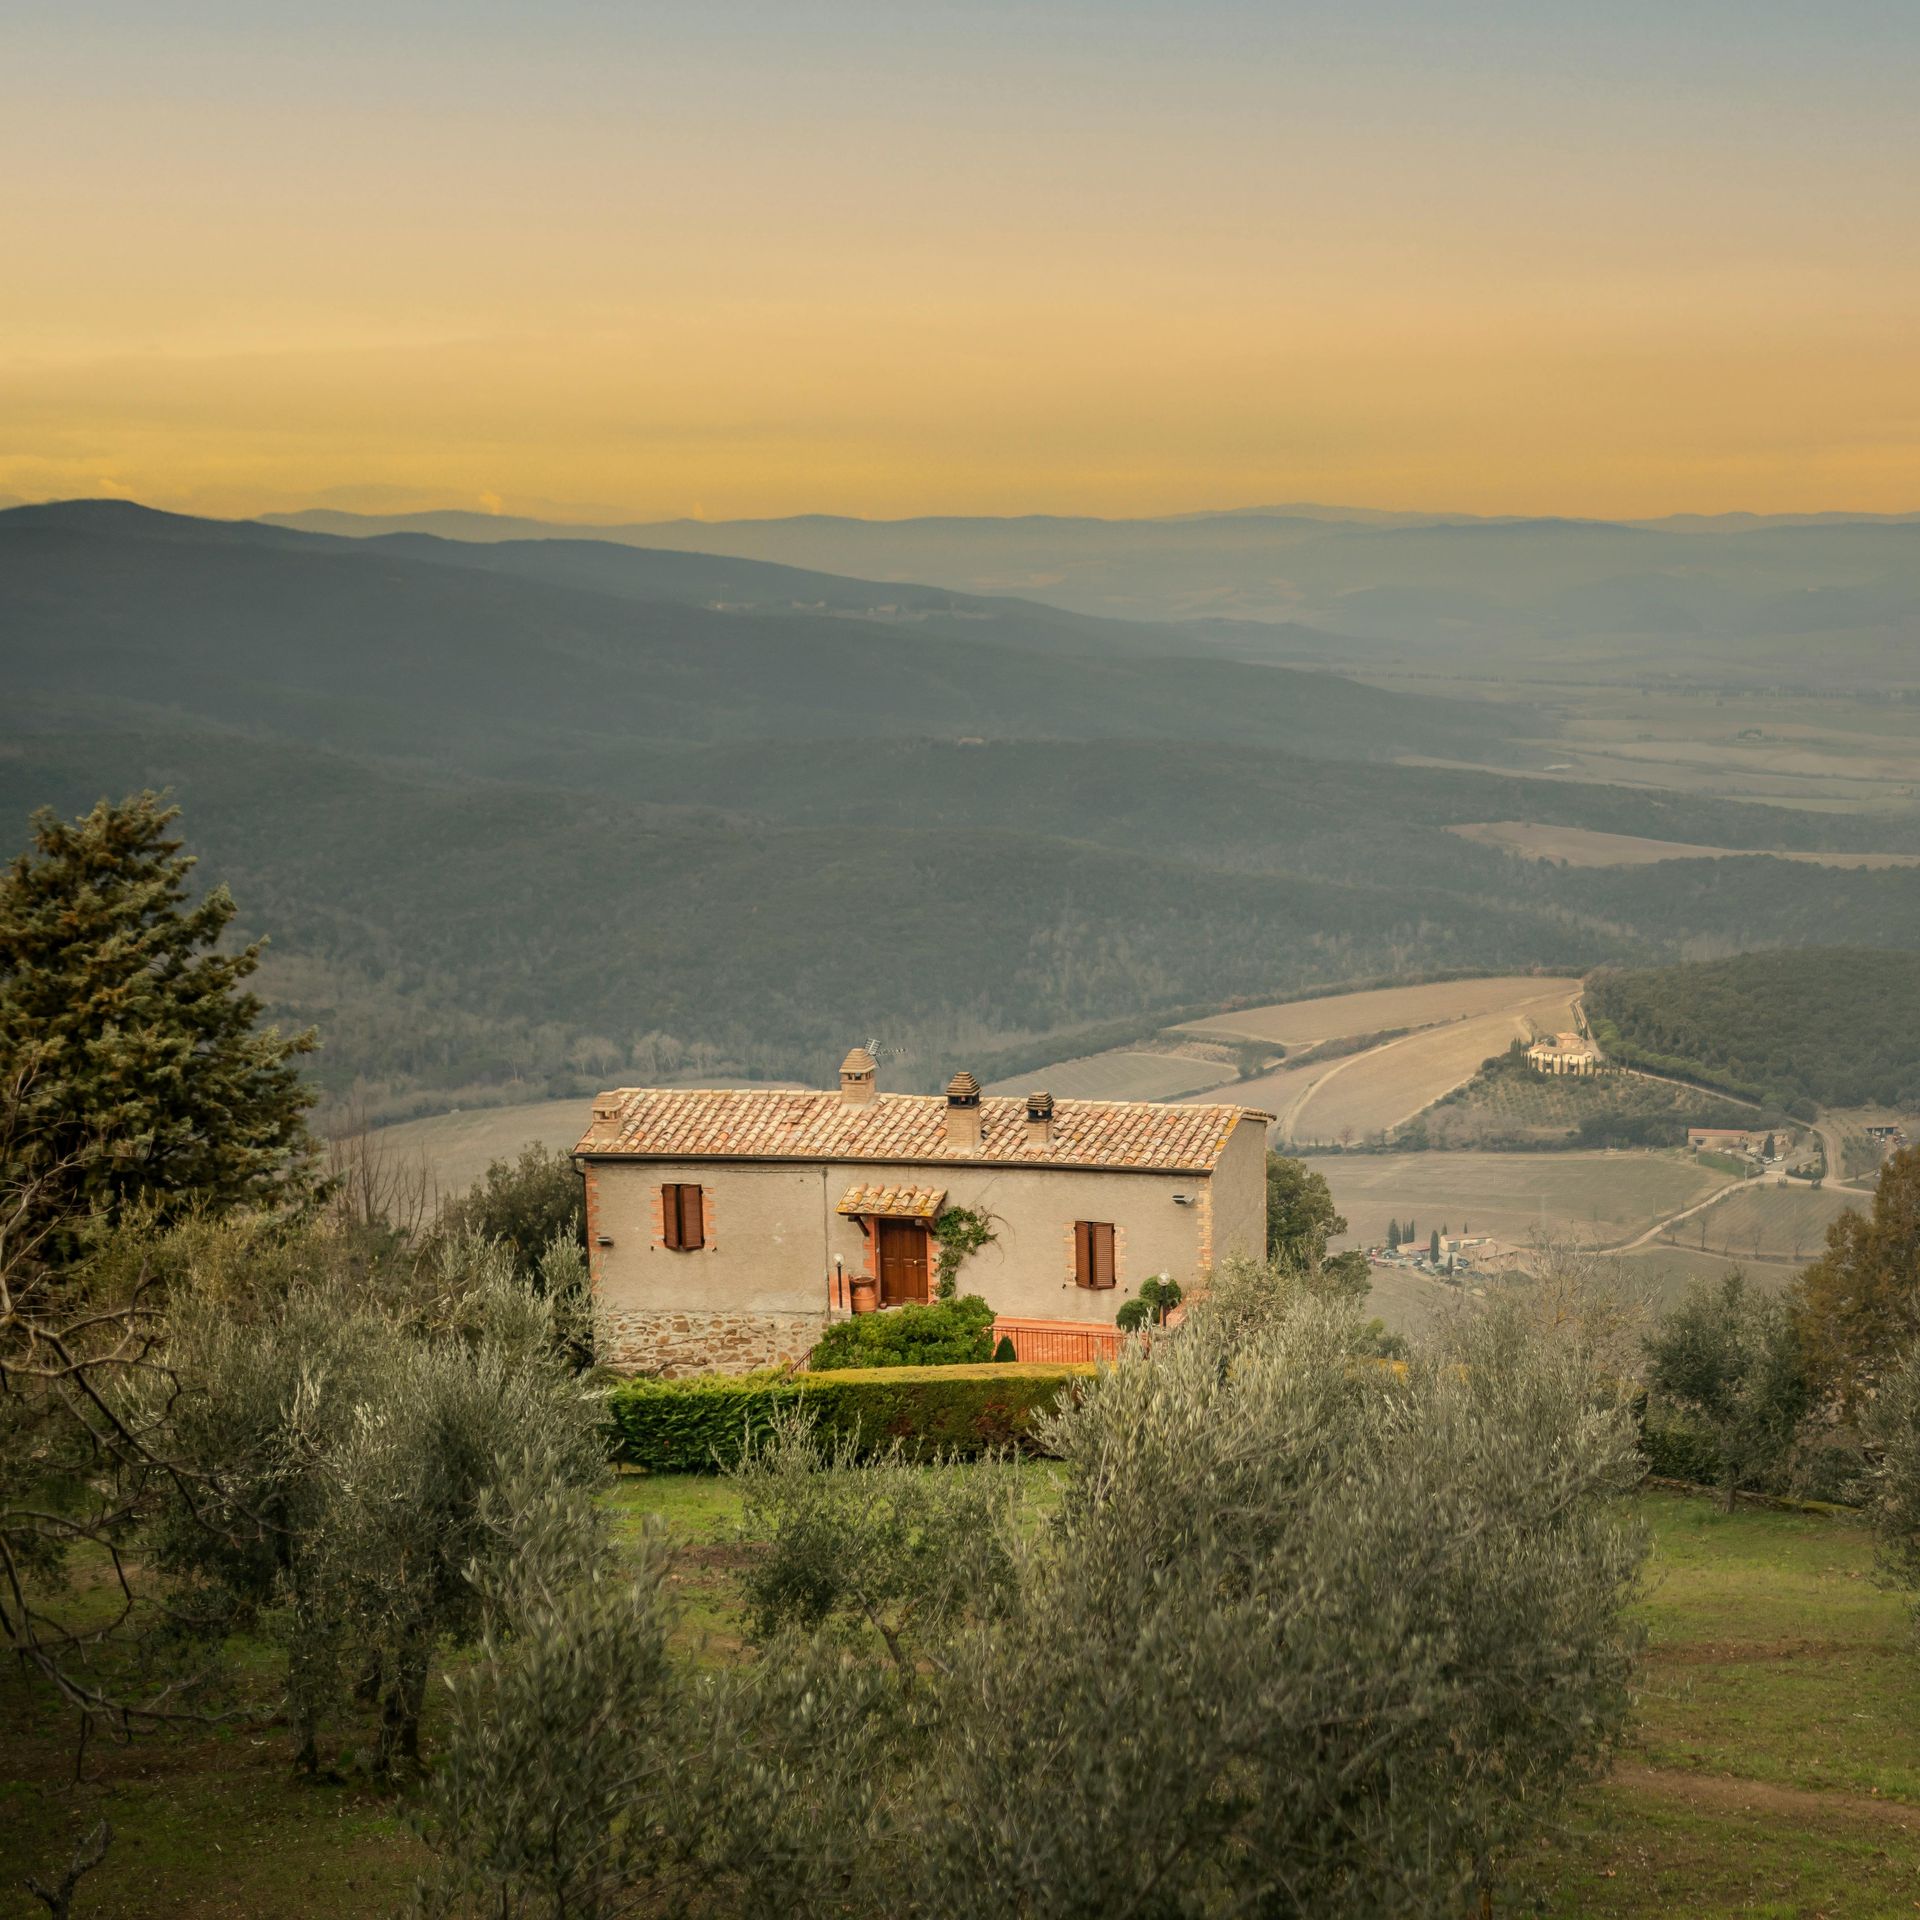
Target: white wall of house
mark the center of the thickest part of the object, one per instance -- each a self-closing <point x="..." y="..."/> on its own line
<point x="756" y="1293"/>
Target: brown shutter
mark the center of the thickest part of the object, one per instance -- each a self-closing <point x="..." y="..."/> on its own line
<point x="693" y="1217"/>
<point x="670" y="1217"/>
<point x="1100" y="1238"/>
<point x="1083" y="1253"/>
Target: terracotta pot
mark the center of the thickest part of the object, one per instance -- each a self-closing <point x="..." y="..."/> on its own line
<point x="866" y="1296"/>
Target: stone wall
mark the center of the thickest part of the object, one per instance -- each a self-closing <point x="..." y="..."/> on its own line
<point x="670" y="1342"/>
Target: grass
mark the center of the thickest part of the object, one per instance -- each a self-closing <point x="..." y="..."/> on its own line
<point x="1772" y="1768"/>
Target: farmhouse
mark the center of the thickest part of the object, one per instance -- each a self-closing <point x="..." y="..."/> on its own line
<point x="725" y="1229"/>
<point x="1730" y="1139"/>
<point x="1563" y="1053"/>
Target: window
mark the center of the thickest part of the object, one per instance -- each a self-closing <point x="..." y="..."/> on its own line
<point x="1093" y="1253"/>
<point x="683" y="1218"/>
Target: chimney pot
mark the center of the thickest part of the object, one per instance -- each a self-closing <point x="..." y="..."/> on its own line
<point x="963" y="1113"/>
<point x="1039" y="1119"/>
<point x="858" y="1086"/>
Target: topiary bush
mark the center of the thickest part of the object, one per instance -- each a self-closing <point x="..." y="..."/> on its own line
<point x="703" y="1424"/>
<point x="949" y="1333"/>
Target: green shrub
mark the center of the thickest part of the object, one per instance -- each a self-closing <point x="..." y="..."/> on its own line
<point x="1678" y="1452"/>
<point x="697" y="1425"/>
<point x="949" y="1333"/>
<point x="1158" y="1296"/>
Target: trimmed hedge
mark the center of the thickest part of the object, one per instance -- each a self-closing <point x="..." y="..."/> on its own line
<point x="700" y="1424"/>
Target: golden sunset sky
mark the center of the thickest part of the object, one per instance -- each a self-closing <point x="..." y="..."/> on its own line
<point x="635" y="261"/>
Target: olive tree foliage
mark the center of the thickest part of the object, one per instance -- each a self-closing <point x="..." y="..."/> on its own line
<point x="1891" y="1427"/>
<point x="1313" y="1635"/>
<point x="1730" y="1358"/>
<point x="905" y="1553"/>
<point x="1297" y="1633"/>
<point x="526" y="1202"/>
<point x="361" y="1472"/>
<point x="83" y="1457"/>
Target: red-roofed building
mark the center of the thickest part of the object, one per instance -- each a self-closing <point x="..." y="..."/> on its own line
<point x="726" y="1228"/>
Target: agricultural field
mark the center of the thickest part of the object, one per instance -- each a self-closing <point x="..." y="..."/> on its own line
<point x="1582" y="847"/>
<point x="1772" y="1221"/>
<point x="1124" y="1074"/>
<point x="1601" y="1199"/>
<point x="1371" y="1093"/>
<point x="457" y="1148"/>
<point x="1662" y="1272"/>
<point x="1769" y="1767"/>
<point x="1311" y="1023"/>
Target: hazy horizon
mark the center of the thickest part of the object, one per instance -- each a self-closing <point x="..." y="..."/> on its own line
<point x="375" y="502"/>
<point x="735" y="261"/>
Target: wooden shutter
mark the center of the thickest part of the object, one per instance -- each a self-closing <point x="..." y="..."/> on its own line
<point x="683" y="1218"/>
<point x="1093" y="1253"/>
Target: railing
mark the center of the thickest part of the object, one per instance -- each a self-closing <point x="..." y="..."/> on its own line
<point x="1070" y="1341"/>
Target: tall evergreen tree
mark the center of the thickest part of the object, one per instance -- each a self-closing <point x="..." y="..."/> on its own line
<point x="143" y="1073"/>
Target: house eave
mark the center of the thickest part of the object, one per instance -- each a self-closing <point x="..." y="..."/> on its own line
<point x="603" y="1156"/>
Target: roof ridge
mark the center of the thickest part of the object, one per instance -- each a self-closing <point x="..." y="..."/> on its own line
<point x="820" y="1123"/>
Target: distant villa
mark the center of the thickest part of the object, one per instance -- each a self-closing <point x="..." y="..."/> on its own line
<point x="1563" y="1053"/>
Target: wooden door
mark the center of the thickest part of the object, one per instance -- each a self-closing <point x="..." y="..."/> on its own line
<point x="903" y="1261"/>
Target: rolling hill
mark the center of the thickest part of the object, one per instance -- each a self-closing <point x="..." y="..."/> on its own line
<point x="524" y="816"/>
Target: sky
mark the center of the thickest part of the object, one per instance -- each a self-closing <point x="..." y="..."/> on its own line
<point x="636" y="261"/>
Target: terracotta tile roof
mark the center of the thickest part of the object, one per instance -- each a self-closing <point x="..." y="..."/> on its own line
<point x="766" y="1123"/>
<point x="898" y="1203"/>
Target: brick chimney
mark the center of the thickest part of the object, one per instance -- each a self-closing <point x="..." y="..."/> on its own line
<point x="1039" y="1119"/>
<point x="857" y="1085"/>
<point x="963" y="1113"/>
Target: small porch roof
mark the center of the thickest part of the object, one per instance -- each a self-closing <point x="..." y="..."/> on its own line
<point x="894" y="1203"/>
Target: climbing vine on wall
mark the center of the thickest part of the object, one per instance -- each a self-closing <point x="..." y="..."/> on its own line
<point x="960" y="1232"/>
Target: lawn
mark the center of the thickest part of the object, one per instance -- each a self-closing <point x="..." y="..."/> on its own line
<point x="1773" y="1767"/>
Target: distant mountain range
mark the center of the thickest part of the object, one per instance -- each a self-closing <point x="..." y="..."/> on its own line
<point x="527" y="815"/>
<point x="1753" y="597"/>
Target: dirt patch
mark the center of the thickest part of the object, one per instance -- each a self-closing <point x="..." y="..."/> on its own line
<point x="720" y="1557"/>
<point x="1727" y="1793"/>
<point x="1699" y="1653"/>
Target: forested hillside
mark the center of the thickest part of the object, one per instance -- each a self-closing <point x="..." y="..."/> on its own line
<point x="1832" y="1026"/>
<point x="530" y="816"/>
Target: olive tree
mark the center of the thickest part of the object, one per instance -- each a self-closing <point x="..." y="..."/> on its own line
<point x="362" y="1468"/>
<point x="1730" y="1358"/>
<point x="1891" y="1427"/>
<point x="1291" y="1632"/>
<point x="1313" y="1635"/>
